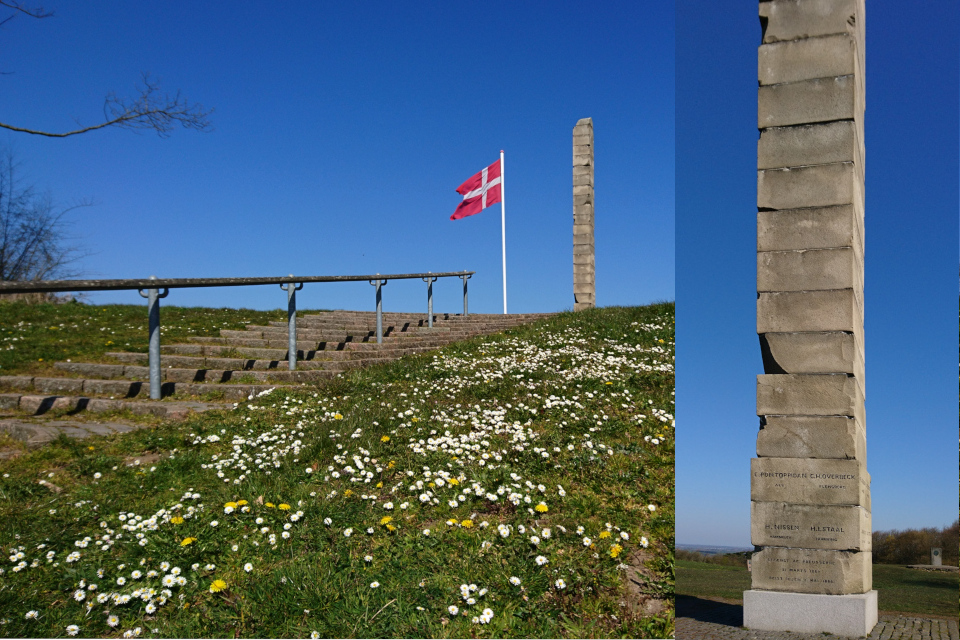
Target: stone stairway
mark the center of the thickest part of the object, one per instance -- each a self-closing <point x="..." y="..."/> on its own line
<point x="211" y="372"/>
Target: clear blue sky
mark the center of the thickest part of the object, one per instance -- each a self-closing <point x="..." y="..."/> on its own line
<point x="342" y="130"/>
<point x="910" y="279"/>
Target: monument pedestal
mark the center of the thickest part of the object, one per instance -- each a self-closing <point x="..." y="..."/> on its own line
<point x="848" y="615"/>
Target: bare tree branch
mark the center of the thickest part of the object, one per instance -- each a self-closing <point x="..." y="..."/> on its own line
<point x="33" y="12"/>
<point x="150" y="110"/>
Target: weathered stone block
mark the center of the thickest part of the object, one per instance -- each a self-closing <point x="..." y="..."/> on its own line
<point x="809" y="270"/>
<point x="810" y="481"/>
<point x="583" y="160"/>
<point x="820" y="100"/>
<point x="791" y="311"/>
<point x="842" y="527"/>
<point x="583" y="239"/>
<point x="812" y="571"/>
<point x="815" y="228"/>
<point x="582" y="229"/>
<point x="809" y="144"/>
<point x="816" y="186"/>
<point x="849" y="615"/>
<point x="806" y="59"/>
<point x="583" y="253"/>
<point x="584" y="288"/>
<point x="582" y="200"/>
<point x="809" y="394"/>
<point x="583" y="190"/>
<point x="585" y="268"/>
<point x="582" y="178"/>
<point x="794" y="19"/>
<point x="814" y="352"/>
<point x="812" y="437"/>
<point x="58" y="385"/>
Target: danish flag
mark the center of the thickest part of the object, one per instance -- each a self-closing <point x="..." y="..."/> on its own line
<point x="479" y="192"/>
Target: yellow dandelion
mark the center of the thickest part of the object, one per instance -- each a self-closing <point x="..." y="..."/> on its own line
<point x="90" y="448"/>
<point x="379" y="485"/>
<point x="270" y="505"/>
<point x="176" y="520"/>
<point x="217" y="586"/>
<point x="348" y="493"/>
<point x="453" y="481"/>
<point x="607" y="383"/>
<point x="283" y="506"/>
<point x="414" y="420"/>
<point x="385" y="439"/>
<point x="231" y="504"/>
<point x="432" y="485"/>
<point x="542" y="508"/>
<point x="604" y="534"/>
<point x="338" y="416"/>
<point x="187" y="541"/>
<point x="615" y="550"/>
<point x="391" y="464"/>
<point x="466" y="524"/>
<point x="240" y="503"/>
<point x="390" y="527"/>
<point x="660" y="341"/>
<point x="386" y="520"/>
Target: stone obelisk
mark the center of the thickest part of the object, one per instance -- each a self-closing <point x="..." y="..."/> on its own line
<point x="584" y="266"/>
<point x="810" y="490"/>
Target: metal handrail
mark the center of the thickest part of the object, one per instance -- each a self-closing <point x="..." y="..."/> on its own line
<point x="150" y="289"/>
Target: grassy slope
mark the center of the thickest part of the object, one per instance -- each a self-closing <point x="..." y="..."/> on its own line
<point x="575" y="402"/>
<point x="34" y="336"/>
<point x="900" y="589"/>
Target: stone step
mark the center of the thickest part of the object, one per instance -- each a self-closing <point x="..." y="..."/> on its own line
<point x="40" y="404"/>
<point x="280" y="353"/>
<point x="36" y="435"/>
<point x="133" y="388"/>
<point x="280" y="341"/>
<point x="133" y="372"/>
<point x="239" y="365"/>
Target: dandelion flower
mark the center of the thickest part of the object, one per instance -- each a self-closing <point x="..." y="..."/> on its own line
<point x="283" y="506"/>
<point x="615" y="550"/>
<point x="217" y="586"/>
<point x="386" y="520"/>
<point x="176" y="520"/>
<point x="604" y="534"/>
<point x="385" y="439"/>
<point x="542" y="508"/>
<point x="187" y="541"/>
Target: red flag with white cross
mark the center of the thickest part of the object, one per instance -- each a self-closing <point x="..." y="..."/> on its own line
<point x="479" y="192"/>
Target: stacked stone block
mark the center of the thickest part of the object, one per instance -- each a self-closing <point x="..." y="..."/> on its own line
<point x="810" y="490"/>
<point x="584" y="265"/>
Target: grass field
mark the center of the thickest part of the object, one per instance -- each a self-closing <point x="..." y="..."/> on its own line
<point x="502" y="487"/>
<point x="899" y="588"/>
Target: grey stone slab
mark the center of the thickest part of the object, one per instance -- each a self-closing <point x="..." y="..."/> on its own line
<point x="52" y="386"/>
<point x="16" y="382"/>
<point x="850" y="615"/>
<point x="809" y="395"/>
<point x="821" y="100"/>
<point x="812" y="437"/>
<point x="117" y="388"/>
<point x="813" y="186"/>
<point x="811" y="228"/>
<point x="817" y="352"/>
<point x="812" y="571"/>
<point x="9" y="400"/>
<point x="795" y="19"/>
<point x="42" y="404"/>
<point x="809" y="58"/>
<point x="841" y="527"/>
<point x="810" y="481"/>
<point x="135" y="372"/>
<point x="91" y="370"/>
<point x="792" y="311"/>
<point x="808" y="144"/>
<point x="101" y="405"/>
<point x="809" y="270"/>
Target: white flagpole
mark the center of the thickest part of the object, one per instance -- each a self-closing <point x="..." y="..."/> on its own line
<point x="503" y="232"/>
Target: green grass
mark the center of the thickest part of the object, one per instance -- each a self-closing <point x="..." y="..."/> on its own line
<point x="34" y="336"/>
<point x="574" y="413"/>
<point x="899" y="588"/>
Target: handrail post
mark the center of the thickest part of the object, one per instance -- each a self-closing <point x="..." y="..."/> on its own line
<point x="465" y="278"/>
<point x="429" y="280"/>
<point x="291" y="288"/>
<point x="153" y="311"/>
<point x="379" y="283"/>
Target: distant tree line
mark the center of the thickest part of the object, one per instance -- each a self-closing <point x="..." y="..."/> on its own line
<point x="912" y="546"/>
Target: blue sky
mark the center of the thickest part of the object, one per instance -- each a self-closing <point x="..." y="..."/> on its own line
<point x="340" y="137"/>
<point x="910" y="280"/>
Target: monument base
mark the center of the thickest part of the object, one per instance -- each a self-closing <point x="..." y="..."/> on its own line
<point x="848" y="615"/>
